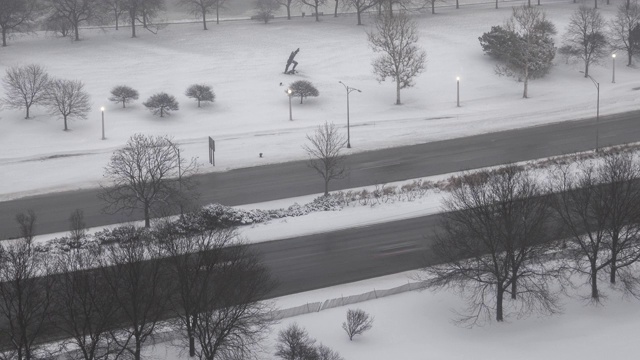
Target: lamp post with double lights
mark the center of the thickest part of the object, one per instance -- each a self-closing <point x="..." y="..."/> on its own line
<point x="597" y="85"/>
<point x="349" y="90"/>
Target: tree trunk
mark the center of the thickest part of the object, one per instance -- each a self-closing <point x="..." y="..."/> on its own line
<point x="457" y="4"/>
<point x="133" y="25"/>
<point x="217" y="15"/>
<point x="301" y="98"/>
<point x="288" y="12"/>
<point x="586" y="69"/>
<point x="65" y="122"/>
<point x="76" y="31"/>
<point x="317" y="15"/>
<point x="595" y="6"/>
<point x="198" y="102"/>
<point x="204" y="20"/>
<point x="326" y="187"/>
<point x="27" y="112"/>
<point x="433" y="7"/>
<point x="123" y="103"/>
<point x="4" y="40"/>
<point x="335" y="11"/>
<point x="514" y="288"/>
<point x="629" y="54"/>
<point x="398" y="92"/>
<point x="496" y="4"/>
<point x="116" y="16"/>
<point x="147" y="222"/>
<point x="359" y="17"/>
<point x="594" y="283"/>
<point x="499" y="301"/>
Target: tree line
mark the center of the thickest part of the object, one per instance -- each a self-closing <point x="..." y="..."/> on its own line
<point x="509" y="240"/>
<point x="105" y="302"/>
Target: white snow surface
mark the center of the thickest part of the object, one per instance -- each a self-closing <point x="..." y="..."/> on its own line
<point x="243" y="62"/>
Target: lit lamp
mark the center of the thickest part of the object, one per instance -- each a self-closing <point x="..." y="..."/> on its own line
<point x="458" y="91"/>
<point x="613" y="76"/>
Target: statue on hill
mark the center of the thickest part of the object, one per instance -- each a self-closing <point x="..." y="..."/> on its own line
<point x="291" y="61"/>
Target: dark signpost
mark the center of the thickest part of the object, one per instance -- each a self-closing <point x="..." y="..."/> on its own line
<point x="212" y="150"/>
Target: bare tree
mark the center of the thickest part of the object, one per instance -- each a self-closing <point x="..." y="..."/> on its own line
<point x="324" y="154"/>
<point x="493" y="237"/>
<point x="621" y="29"/>
<point x="582" y="206"/>
<point x="218" y="5"/>
<point x="75" y="12"/>
<point x="326" y="353"/>
<point x="303" y="89"/>
<point x="16" y="15"/>
<point x="619" y="174"/>
<point x="532" y="50"/>
<point x="265" y="9"/>
<point x="85" y="307"/>
<point x="287" y="4"/>
<point x="294" y="343"/>
<point x="236" y="319"/>
<point x="123" y="94"/>
<point x="68" y="99"/>
<point x="401" y="60"/>
<point x="25" y="86"/>
<point x="148" y="174"/>
<point x="361" y="6"/>
<point x="201" y="93"/>
<point x="585" y="38"/>
<point x="135" y="277"/>
<point x="358" y="321"/>
<point x="77" y="226"/>
<point x="200" y="8"/>
<point x="115" y="8"/>
<point x="194" y="254"/>
<point x="315" y="5"/>
<point x="141" y="11"/>
<point x="161" y="103"/>
<point x="25" y="294"/>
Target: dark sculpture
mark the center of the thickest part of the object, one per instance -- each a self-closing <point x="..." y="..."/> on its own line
<point x="291" y="61"/>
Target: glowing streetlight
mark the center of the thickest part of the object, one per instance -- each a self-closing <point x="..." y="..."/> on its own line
<point x="349" y="90"/>
<point x="458" y="91"/>
<point x="102" y="110"/>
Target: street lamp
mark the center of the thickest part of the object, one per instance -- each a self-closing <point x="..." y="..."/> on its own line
<point x="102" y="110"/>
<point x="349" y="90"/>
<point x="289" y="92"/>
<point x="613" y="76"/>
<point x="597" y="84"/>
<point x="458" y="91"/>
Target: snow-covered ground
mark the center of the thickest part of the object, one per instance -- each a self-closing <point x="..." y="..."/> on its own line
<point x="243" y="62"/>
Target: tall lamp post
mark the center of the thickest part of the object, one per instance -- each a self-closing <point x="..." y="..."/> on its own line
<point x="597" y="84"/>
<point x="102" y="110"/>
<point x="349" y="90"/>
<point x="458" y="91"/>
<point x="613" y="76"/>
<point x="289" y="94"/>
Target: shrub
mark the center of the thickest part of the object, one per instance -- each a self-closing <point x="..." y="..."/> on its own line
<point x="123" y="94"/>
<point x="201" y="93"/>
<point x="161" y="103"/>
<point x="303" y="88"/>
<point x="358" y="321"/>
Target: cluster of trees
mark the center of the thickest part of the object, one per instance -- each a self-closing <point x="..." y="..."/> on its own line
<point x="162" y="103"/>
<point x="507" y="238"/>
<point x="30" y="85"/>
<point x="294" y="343"/>
<point x="107" y="301"/>
<point x="525" y="49"/>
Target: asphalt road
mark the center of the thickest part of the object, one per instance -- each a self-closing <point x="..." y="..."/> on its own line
<point x="316" y="261"/>
<point x="271" y="182"/>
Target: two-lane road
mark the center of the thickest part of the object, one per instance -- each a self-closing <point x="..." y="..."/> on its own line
<point x="284" y="180"/>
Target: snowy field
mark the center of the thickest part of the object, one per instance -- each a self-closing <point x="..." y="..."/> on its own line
<point x="243" y="62"/>
<point x="419" y="326"/>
